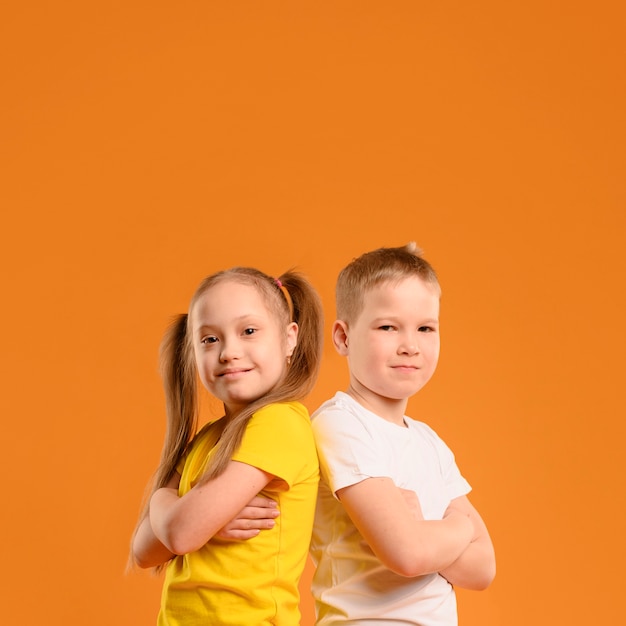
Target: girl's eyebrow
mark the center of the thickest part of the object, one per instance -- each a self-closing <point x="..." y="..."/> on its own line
<point x="241" y="318"/>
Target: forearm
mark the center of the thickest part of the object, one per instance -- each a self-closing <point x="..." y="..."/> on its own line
<point x="439" y="545"/>
<point x="147" y="550"/>
<point x="475" y="568"/>
<point x="166" y="513"/>
<point x="406" y="545"/>
<point x="185" y="524"/>
<point x="433" y="546"/>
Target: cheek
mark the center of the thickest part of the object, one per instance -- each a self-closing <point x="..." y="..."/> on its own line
<point x="203" y="366"/>
<point x="366" y="360"/>
<point x="199" y="359"/>
<point x="434" y="353"/>
<point x="275" y="360"/>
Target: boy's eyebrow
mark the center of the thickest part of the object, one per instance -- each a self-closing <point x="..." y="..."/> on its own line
<point x="393" y="318"/>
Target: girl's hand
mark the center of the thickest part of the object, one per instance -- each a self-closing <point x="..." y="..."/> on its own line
<point x="257" y="515"/>
<point x="187" y="523"/>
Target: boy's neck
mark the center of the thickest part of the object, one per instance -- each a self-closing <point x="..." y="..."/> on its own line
<point x="388" y="409"/>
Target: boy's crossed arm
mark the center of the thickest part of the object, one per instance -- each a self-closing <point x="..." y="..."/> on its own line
<point x="391" y="521"/>
<point x="407" y="546"/>
<point x="476" y="567"/>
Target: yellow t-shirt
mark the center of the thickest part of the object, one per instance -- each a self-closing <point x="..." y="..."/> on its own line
<point x="253" y="582"/>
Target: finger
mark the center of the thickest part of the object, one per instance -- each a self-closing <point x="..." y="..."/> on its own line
<point x="261" y="502"/>
<point x="251" y="512"/>
<point x="245" y="524"/>
<point x="238" y="535"/>
<point x="245" y="528"/>
<point x="252" y="524"/>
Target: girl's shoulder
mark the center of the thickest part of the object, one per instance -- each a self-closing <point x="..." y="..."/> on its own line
<point x="290" y="418"/>
<point x="282" y="409"/>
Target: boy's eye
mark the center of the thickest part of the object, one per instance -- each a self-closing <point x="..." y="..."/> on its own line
<point x="249" y="331"/>
<point x="426" y="329"/>
<point x="387" y="327"/>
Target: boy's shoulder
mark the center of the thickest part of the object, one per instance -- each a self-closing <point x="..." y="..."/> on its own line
<point x="342" y="411"/>
<point x="341" y="404"/>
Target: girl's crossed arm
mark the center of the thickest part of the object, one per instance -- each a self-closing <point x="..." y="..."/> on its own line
<point x="256" y="515"/>
<point x="404" y="544"/>
<point x="259" y="514"/>
<point x="184" y="524"/>
<point x="148" y="551"/>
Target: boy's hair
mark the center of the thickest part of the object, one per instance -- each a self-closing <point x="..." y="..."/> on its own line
<point x="300" y="304"/>
<point x="375" y="268"/>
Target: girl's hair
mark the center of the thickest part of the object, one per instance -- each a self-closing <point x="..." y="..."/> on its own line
<point x="292" y="299"/>
<point x="374" y="268"/>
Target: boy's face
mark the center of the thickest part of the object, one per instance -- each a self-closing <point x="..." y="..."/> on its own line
<point x="393" y="345"/>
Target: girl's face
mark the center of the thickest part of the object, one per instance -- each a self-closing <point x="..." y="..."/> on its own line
<point x="240" y="346"/>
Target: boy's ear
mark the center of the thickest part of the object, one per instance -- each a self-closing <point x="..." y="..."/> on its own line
<point x="340" y="337"/>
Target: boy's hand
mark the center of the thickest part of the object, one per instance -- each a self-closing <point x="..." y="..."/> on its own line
<point x="457" y="510"/>
<point x="259" y="514"/>
<point x="476" y="566"/>
<point x="410" y="497"/>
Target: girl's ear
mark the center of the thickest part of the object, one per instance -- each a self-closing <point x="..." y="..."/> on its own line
<point x="292" y="338"/>
<point x="340" y="337"/>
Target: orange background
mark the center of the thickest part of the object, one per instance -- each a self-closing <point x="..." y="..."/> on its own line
<point x="146" y="144"/>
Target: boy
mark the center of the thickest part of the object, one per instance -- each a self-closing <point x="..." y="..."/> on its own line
<point x="394" y="529"/>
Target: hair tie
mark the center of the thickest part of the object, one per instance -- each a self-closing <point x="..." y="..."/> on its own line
<point x="287" y="297"/>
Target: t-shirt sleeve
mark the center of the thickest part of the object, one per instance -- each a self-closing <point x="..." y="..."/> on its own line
<point x="455" y="484"/>
<point x="279" y="440"/>
<point x="348" y="451"/>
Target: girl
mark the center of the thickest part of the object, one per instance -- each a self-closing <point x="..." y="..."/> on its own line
<point x="255" y="344"/>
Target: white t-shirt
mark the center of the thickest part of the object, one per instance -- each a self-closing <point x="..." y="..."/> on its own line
<point x="350" y="585"/>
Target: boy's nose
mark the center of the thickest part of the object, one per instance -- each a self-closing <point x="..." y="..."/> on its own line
<point x="409" y="346"/>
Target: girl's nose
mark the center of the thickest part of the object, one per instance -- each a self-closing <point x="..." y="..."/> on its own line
<point x="228" y="351"/>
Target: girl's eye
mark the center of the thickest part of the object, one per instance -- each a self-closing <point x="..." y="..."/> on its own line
<point x="249" y="331"/>
<point x="208" y="340"/>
